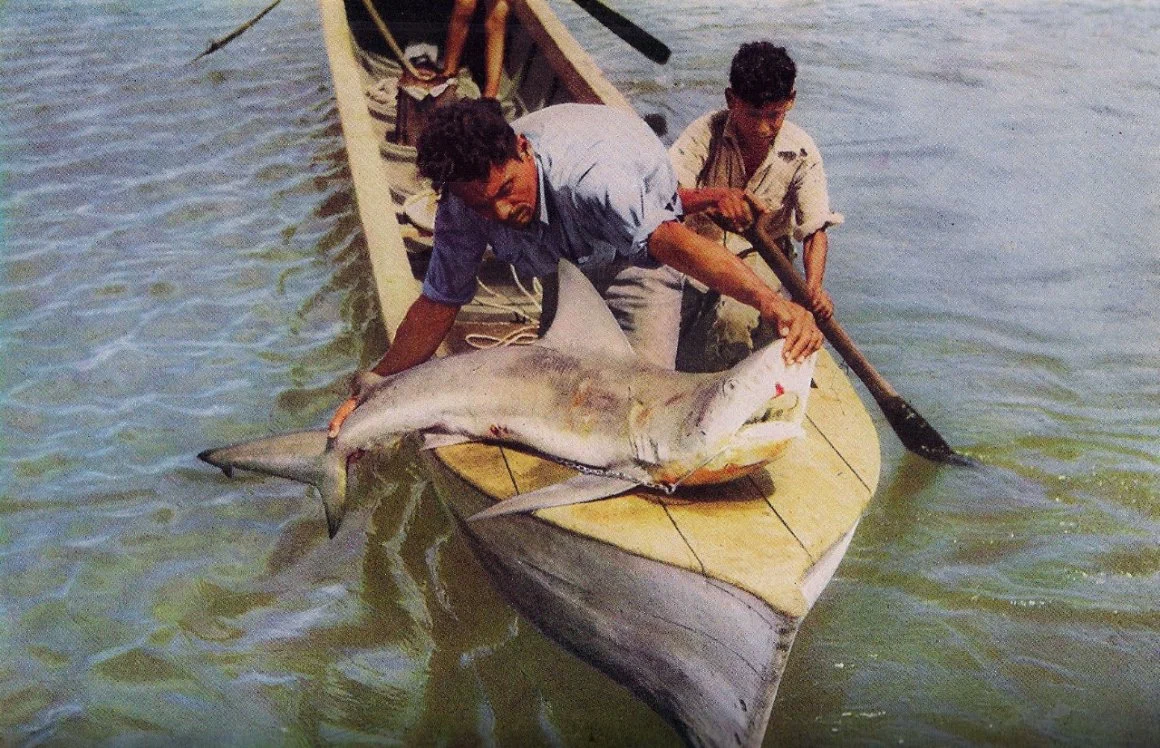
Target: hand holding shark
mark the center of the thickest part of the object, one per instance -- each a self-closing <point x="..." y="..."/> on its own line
<point x="579" y="395"/>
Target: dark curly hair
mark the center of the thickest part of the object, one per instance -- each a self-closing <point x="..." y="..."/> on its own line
<point x="761" y="73"/>
<point x="463" y="140"/>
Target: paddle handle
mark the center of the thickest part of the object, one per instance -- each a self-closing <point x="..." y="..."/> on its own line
<point x="389" y="38"/>
<point x="216" y="44"/>
<point x="781" y="265"/>
<point x="642" y="41"/>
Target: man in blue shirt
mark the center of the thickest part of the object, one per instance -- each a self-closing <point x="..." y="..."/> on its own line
<point x="589" y="183"/>
<point x="594" y="188"/>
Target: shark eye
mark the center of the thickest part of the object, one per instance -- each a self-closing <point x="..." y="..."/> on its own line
<point x="728" y="386"/>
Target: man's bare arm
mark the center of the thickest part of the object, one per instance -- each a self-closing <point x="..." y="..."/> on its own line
<point x="814" y="258"/>
<point x="423" y="328"/>
<point x="737" y="209"/>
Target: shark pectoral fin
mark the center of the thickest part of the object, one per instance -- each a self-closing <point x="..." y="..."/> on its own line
<point x="577" y="490"/>
<point x="435" y="440"/>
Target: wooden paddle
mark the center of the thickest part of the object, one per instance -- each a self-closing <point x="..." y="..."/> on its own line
<point x="216" y="44"/>
<point x="912" y="429"/>
<point x="640" y="40"/>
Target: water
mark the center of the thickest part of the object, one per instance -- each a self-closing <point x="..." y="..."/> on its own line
<point x="181" y="266"/>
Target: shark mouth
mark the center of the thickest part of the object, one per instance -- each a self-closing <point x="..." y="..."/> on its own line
<point x="750" y="449"/>
<point x="781" y="408"/>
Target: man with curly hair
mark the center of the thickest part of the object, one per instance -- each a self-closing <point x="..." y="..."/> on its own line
<point x="588" y="183"/>
<point x="739" y="163"/>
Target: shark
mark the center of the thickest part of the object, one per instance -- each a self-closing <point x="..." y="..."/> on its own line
<point x="578" y="395"/>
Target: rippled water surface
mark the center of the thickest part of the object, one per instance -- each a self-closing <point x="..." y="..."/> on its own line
<point x="182" y="266"/>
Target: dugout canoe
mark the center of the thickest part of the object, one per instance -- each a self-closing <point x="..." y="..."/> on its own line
<point x="691" y="601"/>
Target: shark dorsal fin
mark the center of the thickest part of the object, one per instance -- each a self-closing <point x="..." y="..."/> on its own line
<point x="583" y="322"/>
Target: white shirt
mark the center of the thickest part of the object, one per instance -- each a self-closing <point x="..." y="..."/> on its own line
<point x="791" y="179"/>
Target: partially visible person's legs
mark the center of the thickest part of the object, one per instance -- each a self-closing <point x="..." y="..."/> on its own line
<point x="495" y="35"/>
<point x="719" y="331"/>
<point x="457" y="27"/>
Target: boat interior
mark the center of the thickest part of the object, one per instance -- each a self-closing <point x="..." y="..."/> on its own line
<point x="506" y="307"/>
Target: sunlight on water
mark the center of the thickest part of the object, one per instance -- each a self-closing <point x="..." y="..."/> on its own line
<point x="182" y="266"/>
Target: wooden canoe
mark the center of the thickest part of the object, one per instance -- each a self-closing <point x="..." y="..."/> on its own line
<point x="692" y="601"/>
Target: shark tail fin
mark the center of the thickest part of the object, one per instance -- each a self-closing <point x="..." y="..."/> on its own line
<point x="333" y="489"/>
<point x="302" y="456"/>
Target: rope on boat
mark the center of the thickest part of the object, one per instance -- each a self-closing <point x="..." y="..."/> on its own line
<point x="525" y="335"/>
<point x="520" y="336"/>
<point x="506" y="303"/>
<point x="534" y="295"/>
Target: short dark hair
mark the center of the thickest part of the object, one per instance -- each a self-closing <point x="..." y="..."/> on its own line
<point x="463" y="141"/>
<point x="761" y="73"/>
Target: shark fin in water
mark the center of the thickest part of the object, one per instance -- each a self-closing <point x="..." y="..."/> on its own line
<point x="301" y="456"/>
<point x="576" y="490"/>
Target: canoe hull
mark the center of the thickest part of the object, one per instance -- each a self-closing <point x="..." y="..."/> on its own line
<point x="724" y="650"/>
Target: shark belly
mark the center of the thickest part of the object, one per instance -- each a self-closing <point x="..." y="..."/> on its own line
<point x="721" y="468"/>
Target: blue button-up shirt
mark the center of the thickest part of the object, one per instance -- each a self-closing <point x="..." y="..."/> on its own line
<point x="605" y="184"/>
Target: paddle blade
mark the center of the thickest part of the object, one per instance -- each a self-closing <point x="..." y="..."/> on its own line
<point x="919" y="436"/>
<point x="640" y="40"/>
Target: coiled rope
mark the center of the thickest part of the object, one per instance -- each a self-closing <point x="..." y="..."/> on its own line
<point x="524" y="335"/>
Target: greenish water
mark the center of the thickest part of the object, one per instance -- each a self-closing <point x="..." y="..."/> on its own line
<point x="182" y="267"/>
